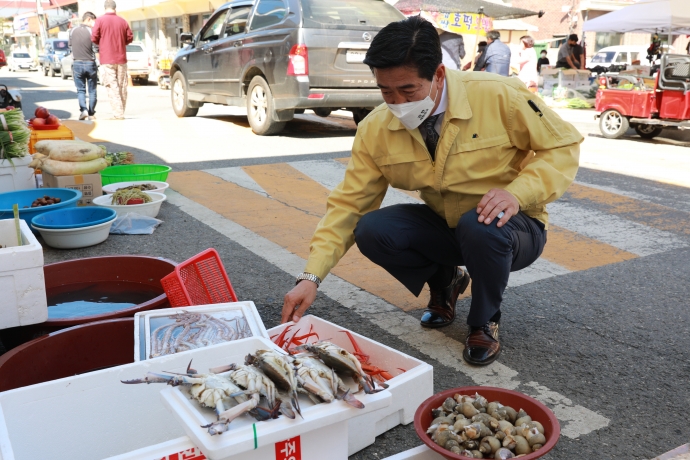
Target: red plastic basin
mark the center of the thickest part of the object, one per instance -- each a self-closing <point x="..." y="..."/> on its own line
<point x="71" y="351"/>
<point x="108" y="269"/>
<point x="514" y="399"/>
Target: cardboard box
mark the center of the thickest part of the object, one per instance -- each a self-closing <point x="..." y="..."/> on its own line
<point x="89" y="185"/>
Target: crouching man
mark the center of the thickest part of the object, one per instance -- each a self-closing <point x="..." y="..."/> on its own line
<point x="486" y="156"/>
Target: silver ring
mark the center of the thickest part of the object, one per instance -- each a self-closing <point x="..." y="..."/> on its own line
<point x="500" y="214"/>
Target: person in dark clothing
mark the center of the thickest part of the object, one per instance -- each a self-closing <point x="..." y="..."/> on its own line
<point x="543" y="60"/>
<point x="84" y="69"/>
<point x="452" y="47"/>
<point x="571" y="55"/>
<point x="496" y="55"/>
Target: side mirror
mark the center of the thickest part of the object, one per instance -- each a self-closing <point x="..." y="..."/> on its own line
<point x="186" y="38"/>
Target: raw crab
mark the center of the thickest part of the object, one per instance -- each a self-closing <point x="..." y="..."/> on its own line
<point x="343" y="361"/>
<point x="318" y="380"/>
<point x="211" y="390"/>
<point x="279" y="369"/>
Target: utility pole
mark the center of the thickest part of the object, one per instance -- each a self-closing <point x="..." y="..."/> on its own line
<point x="41" y="24"/>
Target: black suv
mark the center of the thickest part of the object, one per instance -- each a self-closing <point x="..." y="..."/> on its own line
<point x="279" y="57"/>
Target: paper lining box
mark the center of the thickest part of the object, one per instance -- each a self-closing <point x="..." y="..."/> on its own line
<point x="89" y="185"/>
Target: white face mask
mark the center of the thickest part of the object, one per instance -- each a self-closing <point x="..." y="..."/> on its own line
<point x="412" y="114"/>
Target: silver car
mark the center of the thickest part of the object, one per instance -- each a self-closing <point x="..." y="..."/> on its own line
<point x="21" y="60"/>
<point x="280" y="57"/>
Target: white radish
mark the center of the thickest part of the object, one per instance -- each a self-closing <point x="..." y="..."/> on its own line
<point x="69" y="150"/>
<point x="71" y="168"/>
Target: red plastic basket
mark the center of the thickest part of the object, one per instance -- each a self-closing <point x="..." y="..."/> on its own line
<point x="201" y="280"/>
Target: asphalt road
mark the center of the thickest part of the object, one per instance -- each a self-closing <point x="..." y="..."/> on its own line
<point x="604" y="343"/>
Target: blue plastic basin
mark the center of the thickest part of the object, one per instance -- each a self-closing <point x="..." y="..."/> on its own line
<point x="61" y="219"/>
<point x="23" y="198"/>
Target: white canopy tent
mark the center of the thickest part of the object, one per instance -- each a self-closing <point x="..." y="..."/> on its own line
<point x="670" y="17"/>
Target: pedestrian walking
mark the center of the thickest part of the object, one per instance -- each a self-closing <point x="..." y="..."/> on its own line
<point x="496" y="55"/>
<point x="486" y="156"/>
<point x="112" y="34"/>
<point x="527" y="60"/>
<point x="453" y="49"/>
<point x="84" y="67"/>
<point x="570" y="54"/>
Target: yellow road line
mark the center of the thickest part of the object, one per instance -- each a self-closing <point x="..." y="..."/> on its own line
<point x="577" y="252"/>
<point x="650" y="214"/>
<point x="286" y="225"/>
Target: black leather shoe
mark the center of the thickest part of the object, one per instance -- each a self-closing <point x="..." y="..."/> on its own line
<point x="441" y="309"/>
<point x="482" y="346"/>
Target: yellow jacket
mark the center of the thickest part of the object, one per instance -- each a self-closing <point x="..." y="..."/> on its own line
<point x="490" y="138"/>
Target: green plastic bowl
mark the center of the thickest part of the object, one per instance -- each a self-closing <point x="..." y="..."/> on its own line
<point x="128" y="173"/>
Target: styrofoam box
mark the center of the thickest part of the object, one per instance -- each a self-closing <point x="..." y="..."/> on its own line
<point x="22" y="283"/>
<point x="323" y="428"/>
<point x="95" y="416"/>
<point x="409" y="389"/>
<point x="418" y="453"/>
<point x="16" y="174"/>
<point x="142" y="320"/>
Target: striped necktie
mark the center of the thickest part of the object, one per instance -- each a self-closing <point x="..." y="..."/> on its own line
<point x="431" y="135"/>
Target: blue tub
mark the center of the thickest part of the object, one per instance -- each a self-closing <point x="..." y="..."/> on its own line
<point x="62" y="219"/>
<point x="23" y="198"/>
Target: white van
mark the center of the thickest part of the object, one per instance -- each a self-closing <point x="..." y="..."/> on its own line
<point x="618" y="55"/>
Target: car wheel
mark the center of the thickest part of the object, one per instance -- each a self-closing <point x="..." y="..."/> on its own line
<point x="612" y="124"/>
<point x="260" y="111"/>
<point x="322" y="112"/>
<point x="179" y="99"/>
<point x="648" y="131"/>
<point x="63" y="74"/>
<point x="45" y="71"/>
<point x="359" y="115"/>
<point x="144" y="81"/>
<point x="52" y="72"/>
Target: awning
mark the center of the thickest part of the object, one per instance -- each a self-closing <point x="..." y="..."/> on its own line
<point x="648" y="16"/>
<point x="514" y="24"/>
<point x="489" y="9"/>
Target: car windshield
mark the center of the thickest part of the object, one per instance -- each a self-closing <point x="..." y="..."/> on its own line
<point x="603" y="57"/>
<point x="348" y="14"/>
<point x="21" y="55"/>
<point x="134" y="49"/>
<point x="60" y="46"/>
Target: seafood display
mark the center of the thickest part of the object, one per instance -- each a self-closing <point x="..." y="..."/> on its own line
<point x="268" y="383"/>
<point x="473" y="427"/>
<point x="294" y="342"/>
<point x="195" y="330"/>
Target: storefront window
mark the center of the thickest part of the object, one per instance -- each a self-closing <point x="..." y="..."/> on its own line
<point x="139" y="30"/>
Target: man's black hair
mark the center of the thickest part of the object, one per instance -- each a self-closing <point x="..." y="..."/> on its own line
<point x="412" y="42"/>
<point x="572" y="37"/>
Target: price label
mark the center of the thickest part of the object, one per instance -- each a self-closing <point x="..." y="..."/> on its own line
<point x="289" y="449"/>
<point x="190" y="454"/>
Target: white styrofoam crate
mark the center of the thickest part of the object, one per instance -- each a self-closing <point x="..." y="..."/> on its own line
<point x="16" y="175"/>
<point x="22" y="282"/>
<point x="418" y="453"/>
<point x="408" y="389"/>
<point x="258" y="439"/>
<point x="142" y="320"/>
<point x="100" y="417"/>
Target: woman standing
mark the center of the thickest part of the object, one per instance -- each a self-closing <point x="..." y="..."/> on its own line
<point x="527" y="60"/>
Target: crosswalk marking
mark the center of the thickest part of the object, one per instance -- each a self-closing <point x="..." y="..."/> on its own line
<point x="643" y="212"/>
<point x="579" y="238"/>
<point x="576" y="420"/>
<point x="629" y="236"/>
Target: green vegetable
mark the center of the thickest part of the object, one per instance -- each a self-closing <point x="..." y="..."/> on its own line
<point x="119" y="158"/>
<point x="576" y="103"/>
<point x="14" y="144"/>
<point x="12" y="120"/>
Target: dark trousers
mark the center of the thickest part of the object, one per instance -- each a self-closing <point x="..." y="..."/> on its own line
<point x="412" y="243"/>
<point x="85" y="73"/>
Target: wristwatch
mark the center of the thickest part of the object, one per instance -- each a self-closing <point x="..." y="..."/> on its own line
<point x="310" y="277"/>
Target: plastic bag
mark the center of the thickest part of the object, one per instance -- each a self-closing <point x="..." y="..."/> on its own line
<point x="134" y="224"/>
